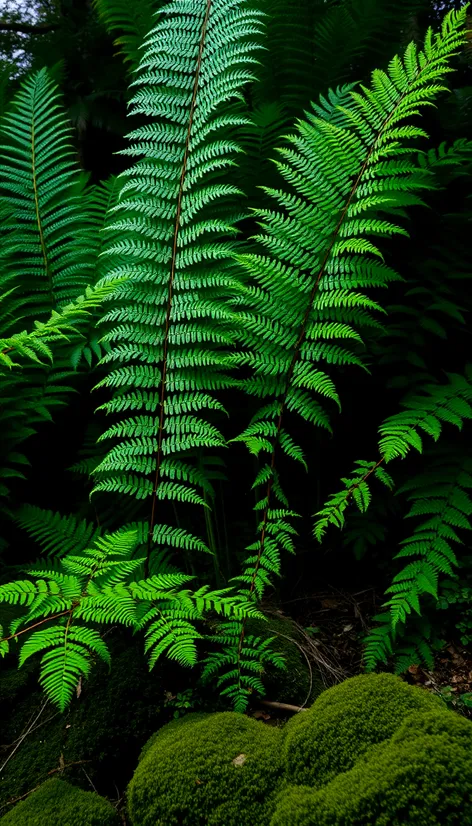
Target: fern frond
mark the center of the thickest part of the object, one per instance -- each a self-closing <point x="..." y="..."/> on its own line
<point x="442" y="494"/>
<point x="57" y="535"/>
<point x="46" y="256"/>
<point x="173" y="322"/>
<point x="132" y="23"/>
<point x="338" y="160"/>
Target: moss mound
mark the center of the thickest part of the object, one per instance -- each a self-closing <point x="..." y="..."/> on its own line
<point x="422" y="776"/>
<point x="219" y="770"/>
<point x="57" y="803"/>
<point x="345" y="721"/>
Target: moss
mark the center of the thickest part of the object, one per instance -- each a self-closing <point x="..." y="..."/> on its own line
<point x="422" y="776"/>
<point x="293" y="685"/>
<point x="57" y="803"/>
<point x="106" y="726"/>
<point x="169" y="728"/>
<point x="219" y="770"/>
<point x="345" y="721"/>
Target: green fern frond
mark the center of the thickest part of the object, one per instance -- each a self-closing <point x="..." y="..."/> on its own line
<point x="438" y="403"/>
<point x="173" y="325"/>
<point x="343" y="168"/>
<point x="57" y="535"/>
<point x="45" y="237"/>
<point x="131" y="22"/>
<point x="441" y="493"/>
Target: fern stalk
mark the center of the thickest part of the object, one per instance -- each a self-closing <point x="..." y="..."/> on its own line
<point x="178" y="211"/>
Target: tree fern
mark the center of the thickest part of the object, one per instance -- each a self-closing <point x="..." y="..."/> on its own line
<point x="346" y="166"/>
<point x="173" y="322"/>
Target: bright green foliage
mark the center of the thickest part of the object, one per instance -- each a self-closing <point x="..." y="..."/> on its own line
<point x="425" y="412"/>
<point x="345" y="721"/>
<point x="441" y="493"/>
<point x="221" y="770"/>
<point x="59" y="804"/>
<point x="351" y="169"/>
<point x="45" y="255"/>
<point x="62" y="325"/>
<point x="100" y="200"/>
<point x="356" y="489"/>
<point x="422" y="776"/>
<point x="29" y="388"/>
<point x="437" y="403"/>
<point x="72" y="599"/>
<point x="172" y="323"/>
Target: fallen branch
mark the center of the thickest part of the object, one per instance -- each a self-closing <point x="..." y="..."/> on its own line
<point x="282" y="706"/>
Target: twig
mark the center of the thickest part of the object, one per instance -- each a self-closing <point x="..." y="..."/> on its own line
<point x="282" y="706"/>
<point x="89" y="780"/>
<point x="23" y="736"/>
<point x="53" y="771"/>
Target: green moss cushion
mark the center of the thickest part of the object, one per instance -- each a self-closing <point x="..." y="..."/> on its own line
<point x="220" y="770"/>
<point x="422" y="777"/>
<point x="345" y="721"/>
<point x="57" y="803"/>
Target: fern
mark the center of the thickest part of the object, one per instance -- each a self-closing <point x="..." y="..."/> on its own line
<point x="100" y="201"/>
<point x="30" y="388"/>
<point x="133" y="22"/>
<point x="67" y="604"/>
<point x="172" y="323"/>
<point x="45" y="229"/>
<point x="345" y="165"/>
<point x="56" y="534"/>
<point x="441" y="494"/>
<point x="62" y="325"/>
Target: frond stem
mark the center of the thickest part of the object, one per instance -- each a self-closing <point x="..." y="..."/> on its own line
<point x="171" y="284"/>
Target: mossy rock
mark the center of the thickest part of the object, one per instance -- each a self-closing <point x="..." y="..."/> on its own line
<point x="293" y="684"/>
<point x="169" y="728"/>
<point x="220" y="769"/>
<point x="57" y="803"/>
<point x="422" y="776"/>
<point x="106" y="726"/>
<point x="345" y="721"/>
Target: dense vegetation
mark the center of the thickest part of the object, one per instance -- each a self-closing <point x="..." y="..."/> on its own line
<point x="234" y="296"/>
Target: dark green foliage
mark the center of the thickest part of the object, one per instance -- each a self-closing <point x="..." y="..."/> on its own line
<point x="222" y="770"/>
<point x="291" y="684"/>
<point x="345" y="721"/>
<point x="349" y="172"/>
<point x="131" y="22"/>
<point x="422" y="776"/>
<point x="106" y="725"/>
<point x="46" y="254"/>
<point x="59" y="804"/>
<point x="200" y="312"/>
